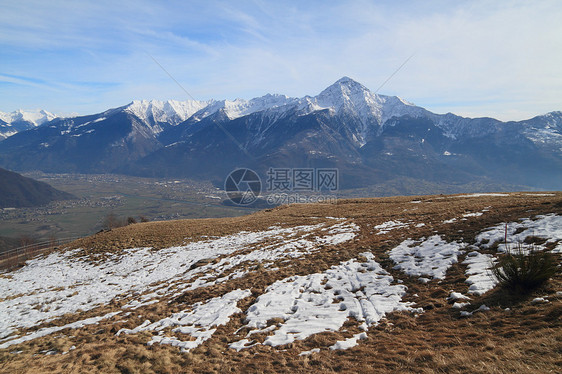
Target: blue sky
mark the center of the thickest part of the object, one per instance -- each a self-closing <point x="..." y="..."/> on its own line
<point x="473" y="58"/>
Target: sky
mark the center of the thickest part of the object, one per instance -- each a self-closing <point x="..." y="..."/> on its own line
<point x="501" y="59"/>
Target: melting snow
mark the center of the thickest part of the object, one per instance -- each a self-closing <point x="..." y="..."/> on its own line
<point x="200" y="322"/>
<point x="321" y="302"/>
<point x="389" y="225"/>
<point x="350" y="342"/>
<point x="431" y="257"/>
<point x="459" y="305"/>
<point x="57" y="284"/>
<point x="480" y="278"/>
<point x="544" y="226"/>
<point x="50" y="330"/>
<point x="482" y="194"/>
<point x="476" y="214"/>
<point x="306" y="353"/>
<point x="457" y="296"/>
<point x="47" y="288"/>
<point x="539" y="300"/>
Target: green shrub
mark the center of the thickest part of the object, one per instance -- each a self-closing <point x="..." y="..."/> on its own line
<point x="524" y="269"/>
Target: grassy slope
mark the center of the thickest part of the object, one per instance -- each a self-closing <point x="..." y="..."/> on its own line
<point x="527" y="338"/>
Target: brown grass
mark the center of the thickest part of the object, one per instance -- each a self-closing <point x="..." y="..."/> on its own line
<point x="526" y="338"/>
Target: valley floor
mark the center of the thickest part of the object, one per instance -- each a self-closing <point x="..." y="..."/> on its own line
<point x="368" y="285"/>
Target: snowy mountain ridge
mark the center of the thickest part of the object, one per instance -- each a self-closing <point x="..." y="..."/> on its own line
<point x="344" y="97"/>
<point x="21" y="120"/>
<point x="347" y="94"/>
<point x="36" y="117"/>
<point x="171" y="111"/>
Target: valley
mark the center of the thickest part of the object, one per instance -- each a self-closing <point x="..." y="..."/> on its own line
<point x="124" y="196"/>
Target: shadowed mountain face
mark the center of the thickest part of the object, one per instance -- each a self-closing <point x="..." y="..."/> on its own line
<point x="18" y="191"/>
<point x="370" y="138"/>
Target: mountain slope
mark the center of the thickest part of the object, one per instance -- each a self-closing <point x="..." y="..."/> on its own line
<point x="385" y="285"/>
<point x="96" y="143"/>
<point x="18" y="191"/>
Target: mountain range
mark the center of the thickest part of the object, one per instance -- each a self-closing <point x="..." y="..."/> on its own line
<point x="372" y="139"/>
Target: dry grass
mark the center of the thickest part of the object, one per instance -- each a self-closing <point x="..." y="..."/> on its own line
<point x="526" y="338"/>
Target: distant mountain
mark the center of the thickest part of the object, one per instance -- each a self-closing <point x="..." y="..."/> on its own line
<point x="115" y="138"/>
<point x="20" y="120"/>
<point x="17" y="191"/>
<point x="370" y="138"/>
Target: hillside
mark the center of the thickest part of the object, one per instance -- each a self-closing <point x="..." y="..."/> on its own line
<point x="366" y="285"/>
<point x="17" y="191"/>
<point x="8" y="243"/>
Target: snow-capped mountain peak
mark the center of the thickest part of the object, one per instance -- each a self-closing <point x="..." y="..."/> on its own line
<point x="170" y="111"/>
<point x="347" y="96"/>
<point x="240" y="107"/>
<point x="35" y="117"/>
<point x="350" y="95"/>
<point x="21" y="120"/>
<point x="342" y="92"/>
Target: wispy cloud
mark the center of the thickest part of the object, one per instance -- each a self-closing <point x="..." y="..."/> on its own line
<point x="475" y="58"/>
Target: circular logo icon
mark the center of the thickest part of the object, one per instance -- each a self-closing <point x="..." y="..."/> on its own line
<point x="243" y="186"/>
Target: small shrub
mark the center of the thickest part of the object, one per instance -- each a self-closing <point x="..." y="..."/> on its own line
<point x="522" y="270"/>
<point x="144" y="219"/>
<point x="131" y="220"/>
<point x="26" y="240"/>
<point x="111" y="221"/>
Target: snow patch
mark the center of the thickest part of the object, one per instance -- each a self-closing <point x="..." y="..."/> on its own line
<point x="544" y="226"/>
<point x="307" y="353"/>
<point x="50" y="330"/>
<point x="480" y="278"/>
<point x="482" y="194"/>
<point x="457" y="296"/>
<point x="388" y="226"/>
<point x="320" y="302"/>
<point x="57" y="284"/>
<point x="200" y="322"/>
<point x="350" y="342"/>
<point x="431" y="257"/>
